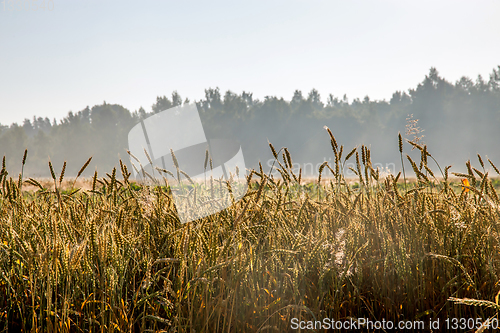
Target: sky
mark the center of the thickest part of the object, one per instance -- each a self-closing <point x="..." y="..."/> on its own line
<point x="81" y="53"/>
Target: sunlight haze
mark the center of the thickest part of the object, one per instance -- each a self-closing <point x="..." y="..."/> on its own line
<point x="129" y="52"/>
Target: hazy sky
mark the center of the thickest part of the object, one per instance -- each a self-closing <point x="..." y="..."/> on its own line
<point x="128" y="52"/>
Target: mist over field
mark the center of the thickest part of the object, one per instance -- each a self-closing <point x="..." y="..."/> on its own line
<point x="369" y="131"/>
<point x="457" y="121"/>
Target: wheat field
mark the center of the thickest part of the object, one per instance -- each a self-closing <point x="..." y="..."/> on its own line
<point x="109" y="255"/>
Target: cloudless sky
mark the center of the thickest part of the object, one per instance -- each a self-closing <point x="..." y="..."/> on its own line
<point x="128" y="52"/>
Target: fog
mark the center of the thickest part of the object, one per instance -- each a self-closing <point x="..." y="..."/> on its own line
<point x="455" y="120"/>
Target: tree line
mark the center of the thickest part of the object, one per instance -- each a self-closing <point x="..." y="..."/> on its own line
<point x="459" y="120"/>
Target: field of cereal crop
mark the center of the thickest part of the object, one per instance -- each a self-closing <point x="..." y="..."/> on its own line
<point x="109" y="254"/>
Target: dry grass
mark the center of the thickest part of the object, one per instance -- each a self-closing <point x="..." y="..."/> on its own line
<point x="67" y="184"/>
<point x="117" y="258"/>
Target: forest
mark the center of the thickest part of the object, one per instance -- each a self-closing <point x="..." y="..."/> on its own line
<point x="456" y="120"/>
